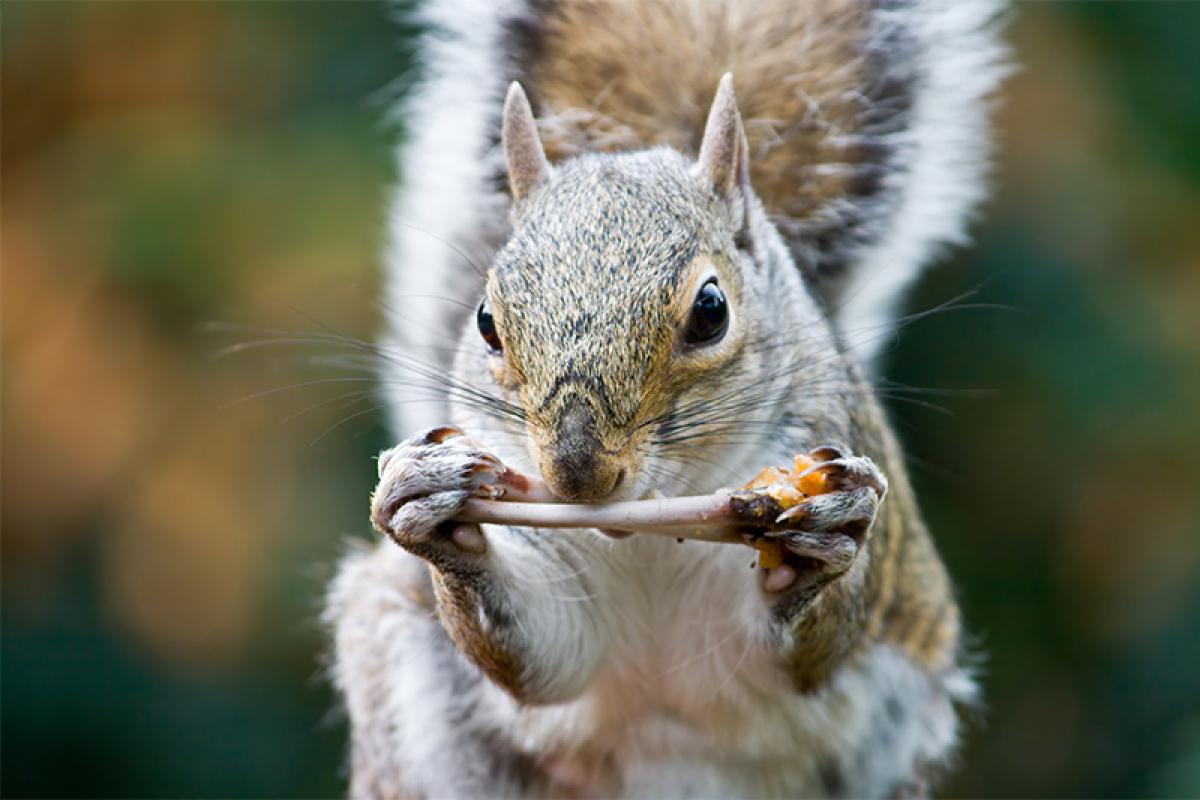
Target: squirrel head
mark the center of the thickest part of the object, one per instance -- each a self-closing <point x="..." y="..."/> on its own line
<point x="631" y="302"/>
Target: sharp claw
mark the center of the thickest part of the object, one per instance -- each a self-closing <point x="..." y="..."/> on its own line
<point x="795" y="512"/>
<point x="830" y="468"/>
<point x="439" y="435"/>
<point x="488" y="491"/>
<point x="484" y="468"/>
<point x="827" y="452"/>
<point x="843" y="474"/>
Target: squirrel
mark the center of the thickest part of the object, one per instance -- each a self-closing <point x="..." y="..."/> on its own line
<point x="677" y="293"/>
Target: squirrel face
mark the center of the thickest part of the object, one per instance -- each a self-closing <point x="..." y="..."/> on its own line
<point x="593" y="299"/>
<point x="624" y="300"/>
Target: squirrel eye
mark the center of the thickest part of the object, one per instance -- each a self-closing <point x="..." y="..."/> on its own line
<point x="710" y="315"/>
<point x="487" y="326"/>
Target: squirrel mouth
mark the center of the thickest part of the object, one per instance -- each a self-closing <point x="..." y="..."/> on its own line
<point x="614" y="533"/>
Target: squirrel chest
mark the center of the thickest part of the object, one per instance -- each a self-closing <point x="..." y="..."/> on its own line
<point x="693" y="696"/>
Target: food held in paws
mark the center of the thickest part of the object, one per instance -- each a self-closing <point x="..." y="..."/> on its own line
<point x="789" y="488"/>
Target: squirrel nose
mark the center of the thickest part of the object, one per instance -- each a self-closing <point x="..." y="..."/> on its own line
<point x="576" y="466"/>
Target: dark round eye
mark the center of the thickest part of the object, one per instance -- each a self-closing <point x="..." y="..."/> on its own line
<point x="487" y="326"/>
<point x="710" y="315"/>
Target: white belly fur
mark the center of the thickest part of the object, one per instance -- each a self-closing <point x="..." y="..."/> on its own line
<point x="688" y="701"/>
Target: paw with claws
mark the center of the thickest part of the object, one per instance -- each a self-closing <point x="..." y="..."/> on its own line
<point x="819" y="530"/>
<point x="423" y="483"/>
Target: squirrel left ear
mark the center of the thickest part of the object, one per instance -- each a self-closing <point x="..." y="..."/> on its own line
<point x="527" y="164"/>
<point x="724" y="154"/>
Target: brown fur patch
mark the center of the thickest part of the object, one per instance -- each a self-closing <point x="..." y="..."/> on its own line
<point x="911" y="601"/>
<point x="828" y="633"/>
<point x="458" y="609"/>
<point x="623" y="74"/>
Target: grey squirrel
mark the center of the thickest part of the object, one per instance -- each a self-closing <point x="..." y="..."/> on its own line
<point x="676" y="294"/>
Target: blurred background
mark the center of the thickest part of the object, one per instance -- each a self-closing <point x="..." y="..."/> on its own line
<point x="169" y="522"/>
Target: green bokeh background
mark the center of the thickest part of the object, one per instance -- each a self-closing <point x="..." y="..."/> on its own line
<point x="165" y="547"/>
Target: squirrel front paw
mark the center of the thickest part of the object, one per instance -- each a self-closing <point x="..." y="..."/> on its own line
<point x="825" y="533"/>
<point x="423" y="483"/>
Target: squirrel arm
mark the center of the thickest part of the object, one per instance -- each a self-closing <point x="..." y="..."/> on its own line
<point x="894" y="590"/>
<point x="521" y="606"/>
<point x="526" y="612"/>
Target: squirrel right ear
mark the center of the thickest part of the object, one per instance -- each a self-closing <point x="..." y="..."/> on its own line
<point x="724" y="154"/>
<point x="523" y="153"/>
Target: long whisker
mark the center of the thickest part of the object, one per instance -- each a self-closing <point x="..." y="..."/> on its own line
<point x="470" y="261"/>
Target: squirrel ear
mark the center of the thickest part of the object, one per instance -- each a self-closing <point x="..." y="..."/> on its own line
<point x="724" y="155"/>
<point x="527" y="164"/>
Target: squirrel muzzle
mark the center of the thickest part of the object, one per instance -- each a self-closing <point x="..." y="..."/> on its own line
<point x="575" y="464"/>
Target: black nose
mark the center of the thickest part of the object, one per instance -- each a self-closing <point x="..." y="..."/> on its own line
<point x="578" y="467"/>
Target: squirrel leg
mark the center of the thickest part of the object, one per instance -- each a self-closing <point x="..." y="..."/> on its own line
<point x="499" y="590"/>
<point x="826" y="537"/>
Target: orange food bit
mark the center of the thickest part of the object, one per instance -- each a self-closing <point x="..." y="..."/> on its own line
<point x="786" y="486"/>
<point x="786" y="493"/>
<point x="814" y="483"/>
<point x="767" y="477"/>
<point x="770" y="553"/>
<point x="802" y="462"/>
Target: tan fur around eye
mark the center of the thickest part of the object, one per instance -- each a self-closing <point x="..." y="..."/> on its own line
<point x="691" y="360"/>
